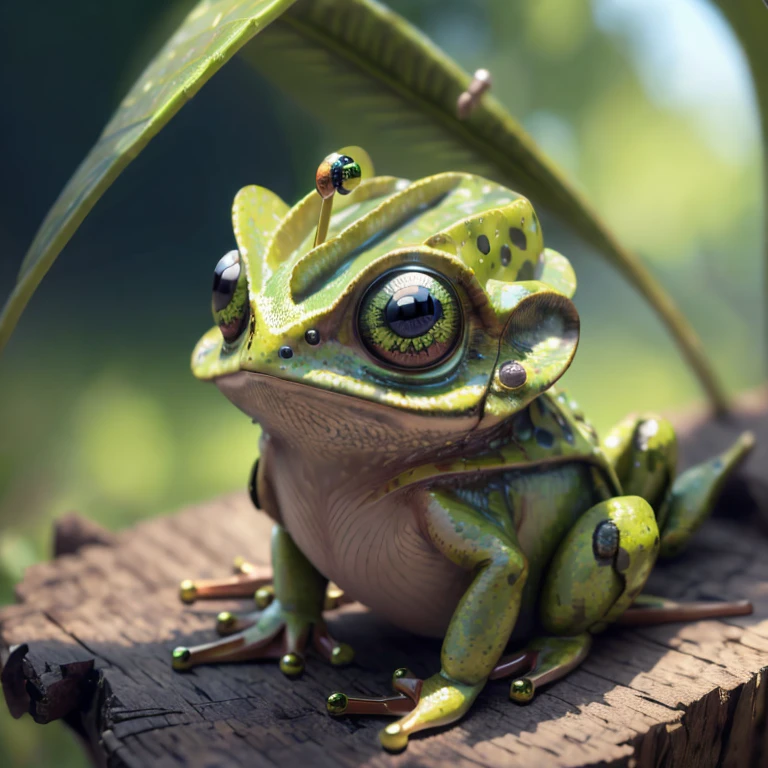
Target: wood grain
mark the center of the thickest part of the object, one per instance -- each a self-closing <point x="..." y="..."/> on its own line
<point x="90" y="639"/>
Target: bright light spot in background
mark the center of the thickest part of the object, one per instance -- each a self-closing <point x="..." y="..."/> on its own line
<point x="689" y="60"/>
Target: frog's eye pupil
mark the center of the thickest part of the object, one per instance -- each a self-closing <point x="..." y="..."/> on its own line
<point x="225" y="278"/>
<point x="411" y="312"/>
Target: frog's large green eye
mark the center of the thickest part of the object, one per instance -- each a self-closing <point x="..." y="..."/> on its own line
<point x="410" y="319"/>
<point x="230" y="296"/>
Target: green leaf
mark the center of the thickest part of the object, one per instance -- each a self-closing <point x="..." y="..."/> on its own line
<point x="380" y="83"/>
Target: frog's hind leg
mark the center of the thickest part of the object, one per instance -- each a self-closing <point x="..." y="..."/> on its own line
<point x="694" y="493"/>
<point x="597" y="572"/>
<point x="643" y="453"/>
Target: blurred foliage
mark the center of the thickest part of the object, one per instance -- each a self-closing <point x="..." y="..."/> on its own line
<point x="98" y="411"/>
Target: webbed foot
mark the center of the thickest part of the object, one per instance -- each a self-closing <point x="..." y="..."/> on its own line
<point x="268" y="633"/>
<point x="420" y="704"/>
<point x="273" y="633"/>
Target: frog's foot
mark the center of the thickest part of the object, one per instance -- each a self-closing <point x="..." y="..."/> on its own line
<point x="244" y="583"/>
<point x="694" y="493"/>
<point x="649" y="610"/>
<point x="429" y="703"/>
<point x="547" y="658"/>
<point x="270" y="634"/>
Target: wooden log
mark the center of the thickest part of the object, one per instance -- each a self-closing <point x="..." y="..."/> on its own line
<point x="90" y="639"/>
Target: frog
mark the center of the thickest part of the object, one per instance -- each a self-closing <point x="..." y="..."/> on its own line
<point x="402" y="359"/>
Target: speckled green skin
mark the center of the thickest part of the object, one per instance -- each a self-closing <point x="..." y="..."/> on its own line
<point x="518" y="522"/>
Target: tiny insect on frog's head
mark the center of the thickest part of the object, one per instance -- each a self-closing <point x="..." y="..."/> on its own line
<point x="416" y="313"/>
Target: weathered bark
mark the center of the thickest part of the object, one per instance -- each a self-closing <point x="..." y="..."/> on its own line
<point x="90" y="641"/>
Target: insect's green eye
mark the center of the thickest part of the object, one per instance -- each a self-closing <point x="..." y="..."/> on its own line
<point x="230" y="296"/>
<point x="410" y="319"/>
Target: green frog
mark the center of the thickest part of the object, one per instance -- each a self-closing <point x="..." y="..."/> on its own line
<point x="401" y="359"/>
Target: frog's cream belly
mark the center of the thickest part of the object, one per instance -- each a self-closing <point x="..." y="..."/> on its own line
<point x="377" y="555"/>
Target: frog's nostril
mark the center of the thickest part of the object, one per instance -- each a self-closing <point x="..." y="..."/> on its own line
<point x="285" y="352"/>
<point x="312" y="336"/>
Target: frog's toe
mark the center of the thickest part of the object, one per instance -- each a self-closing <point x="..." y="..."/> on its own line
<point x="265" y="639"/>
<point x="407" y="693"/>
<point x="240" y="585"/>
<point x="264" y="596"/>
<point x="339" y="654"/>
<point x="394" y="738"/>
<point x="334" y="597"/>
<point x="228" y="623"/>
<point x="292" y="664"/>
<point x="337" y="703"/>
<point x="180" y="658"/>
<point x="244" y="567"/>
<point x="522" y="690"/>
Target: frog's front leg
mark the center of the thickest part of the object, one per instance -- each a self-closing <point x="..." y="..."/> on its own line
<point x="478" y="632"/>
<point x="285" y="627"/>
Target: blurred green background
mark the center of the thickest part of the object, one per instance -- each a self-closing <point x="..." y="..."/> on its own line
<point x="647" y="105"/>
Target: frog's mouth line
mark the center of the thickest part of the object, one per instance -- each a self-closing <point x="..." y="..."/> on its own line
<point x="337" y="424"/>
<point x="322" y="386"/>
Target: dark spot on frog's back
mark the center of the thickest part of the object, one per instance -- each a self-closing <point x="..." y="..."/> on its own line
<point x="518" y="238"/>
<point x="544" y="438"/>
<point x="483" y="245"/>
<point x="523" y="426"/>
<point x="526" y="271"/>
<point x="506" y="255"/>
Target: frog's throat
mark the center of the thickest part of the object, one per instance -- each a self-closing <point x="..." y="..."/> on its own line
<point x="326" y="427"/>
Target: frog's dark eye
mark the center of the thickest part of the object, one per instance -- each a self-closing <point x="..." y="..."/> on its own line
<point x="410" y="319"/>
<point x="230" y="296"/>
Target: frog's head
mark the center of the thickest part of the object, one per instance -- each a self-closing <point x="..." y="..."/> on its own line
<point x="432" y="309"/>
